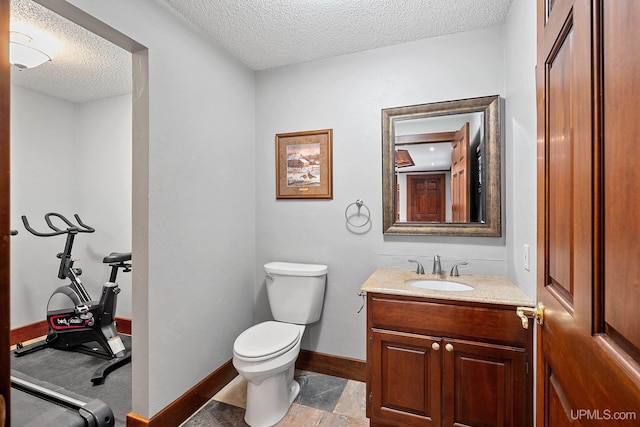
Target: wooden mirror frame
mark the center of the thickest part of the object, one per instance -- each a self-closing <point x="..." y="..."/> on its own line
<point x="491" y="173"/>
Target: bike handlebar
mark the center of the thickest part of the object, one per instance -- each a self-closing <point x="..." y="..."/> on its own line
<point x="72" y="228"/>
<point x="83" y="225"/>
<point x="48" y="216"/>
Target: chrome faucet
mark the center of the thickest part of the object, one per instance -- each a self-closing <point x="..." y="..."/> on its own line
<point x="437" y="268"/>
<point x="419" y="268"/>
<point x="454" y="269"/>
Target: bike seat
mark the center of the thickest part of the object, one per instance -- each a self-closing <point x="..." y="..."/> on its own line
<point x="117" y="257"/>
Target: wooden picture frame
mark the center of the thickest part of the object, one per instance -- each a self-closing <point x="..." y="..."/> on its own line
<point x="304" y="165"/>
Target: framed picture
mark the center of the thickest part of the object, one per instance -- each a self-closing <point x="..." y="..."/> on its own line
<point x="303" y="165"/>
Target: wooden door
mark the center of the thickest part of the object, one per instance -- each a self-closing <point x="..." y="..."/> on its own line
<point x="426" y="198"/>
<point x="588" y="86"/>
<point x="5" y="80"/>
<point x="483" y="385"/>
<point x="405" y="379"/>
<point x="460" y="183"/>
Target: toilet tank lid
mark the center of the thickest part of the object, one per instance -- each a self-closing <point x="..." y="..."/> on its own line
<point x="295" y="269"/>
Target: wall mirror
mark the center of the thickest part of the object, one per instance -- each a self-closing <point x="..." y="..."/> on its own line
<point x="441" y="168"/>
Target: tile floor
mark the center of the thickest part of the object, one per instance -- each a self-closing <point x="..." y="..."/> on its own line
<point x="323" y="401"/>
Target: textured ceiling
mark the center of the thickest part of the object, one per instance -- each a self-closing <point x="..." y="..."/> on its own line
<point x="271" y="33"/>
<point x="84" y="67"/>
<point x="260" y="33"/>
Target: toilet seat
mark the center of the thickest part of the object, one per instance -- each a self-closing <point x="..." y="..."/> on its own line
<point x="266" y="340"/>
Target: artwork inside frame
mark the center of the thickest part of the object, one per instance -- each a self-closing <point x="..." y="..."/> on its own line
<point x="303" y="165"/>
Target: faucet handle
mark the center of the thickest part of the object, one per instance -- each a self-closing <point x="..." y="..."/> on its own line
<point x="437" y="267"/>
<point x="419" y="268"/>
<point x="454" y="269"/>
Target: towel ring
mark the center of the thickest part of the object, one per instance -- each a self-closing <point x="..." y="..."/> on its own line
<point x="359" y="204"/>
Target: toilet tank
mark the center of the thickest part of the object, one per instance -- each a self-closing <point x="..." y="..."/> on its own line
<point x="295" y="291"/>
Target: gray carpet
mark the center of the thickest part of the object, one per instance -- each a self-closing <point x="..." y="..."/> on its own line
<point x="73" y="371"/>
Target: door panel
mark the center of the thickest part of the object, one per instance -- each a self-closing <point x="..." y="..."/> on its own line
<point x="588" y="274"/>
<point x="560" y="166"/>
<point x="621" y="85"/>
<point x="558" y="408"/>
<point x="482" y="384"/>
<point x="426" y="198"/>
<point x="407" y="389"/>
<point x="459" y="175"/>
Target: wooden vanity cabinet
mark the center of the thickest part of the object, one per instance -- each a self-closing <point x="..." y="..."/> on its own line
<point x="445" y="363"/>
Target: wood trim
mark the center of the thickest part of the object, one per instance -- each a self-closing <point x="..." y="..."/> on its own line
<point x="3" y="411"/>
<point x="135" y="420"/>
<point x="338" y="366"/>
<point x="5" y="107"/>
<point x="29" y="332"/>
<point x="39" y="329"/>
<point x="187" y="404"/>
<point x="124" y="325"/>
<point x="425" y="138"/>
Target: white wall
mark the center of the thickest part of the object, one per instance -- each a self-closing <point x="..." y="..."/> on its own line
<point x="520" y="125"/>
<point x="201" y="195"/>
<point x="347" y="94"/>
<point x="103" y="186"/>
<point x="42" y="159"/>
<point x="60" y="153"/>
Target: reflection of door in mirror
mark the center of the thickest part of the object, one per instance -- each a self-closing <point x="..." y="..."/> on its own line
<point x="435" y="176"/>
<point x="426" y="198"/>
<point x="460" y="206"/>
<point x="423" y="173"/>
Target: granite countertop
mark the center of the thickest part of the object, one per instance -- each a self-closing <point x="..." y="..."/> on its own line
<point x="486" y="289"/>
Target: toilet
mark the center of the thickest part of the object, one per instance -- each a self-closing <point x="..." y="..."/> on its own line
<point x="265" y="354"/>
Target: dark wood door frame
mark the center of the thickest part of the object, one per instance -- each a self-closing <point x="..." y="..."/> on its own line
<point x="5" y="106"/>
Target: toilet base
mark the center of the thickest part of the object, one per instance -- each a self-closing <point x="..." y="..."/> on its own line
<point x="269" y="401"/>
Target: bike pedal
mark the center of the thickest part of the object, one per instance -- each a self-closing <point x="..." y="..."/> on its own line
<point x="81" y="309"/>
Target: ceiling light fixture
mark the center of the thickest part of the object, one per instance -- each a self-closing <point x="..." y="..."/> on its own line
<point x="22" y="54"/>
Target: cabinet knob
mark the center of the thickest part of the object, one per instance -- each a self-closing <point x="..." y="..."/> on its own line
<point x="448" y="347"/>
<point x="435" y="346"/>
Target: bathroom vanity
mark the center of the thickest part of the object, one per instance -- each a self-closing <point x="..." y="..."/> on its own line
<point x="444" y="358"/>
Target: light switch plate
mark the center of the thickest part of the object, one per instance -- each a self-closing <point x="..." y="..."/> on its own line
<point x="527" y="258"/>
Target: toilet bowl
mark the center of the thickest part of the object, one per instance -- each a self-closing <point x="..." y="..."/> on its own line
<point x="265" y="354"/>
<point x="269" y="372"/>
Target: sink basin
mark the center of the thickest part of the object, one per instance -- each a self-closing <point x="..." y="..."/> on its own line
<point x="439" y="285"/>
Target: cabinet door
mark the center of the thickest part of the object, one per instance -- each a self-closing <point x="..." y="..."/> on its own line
<point x="405" y="379"/>
<point x="483" y="384"/>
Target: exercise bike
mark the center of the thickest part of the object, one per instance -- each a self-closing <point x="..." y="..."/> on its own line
<point x="80" y="320"/>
